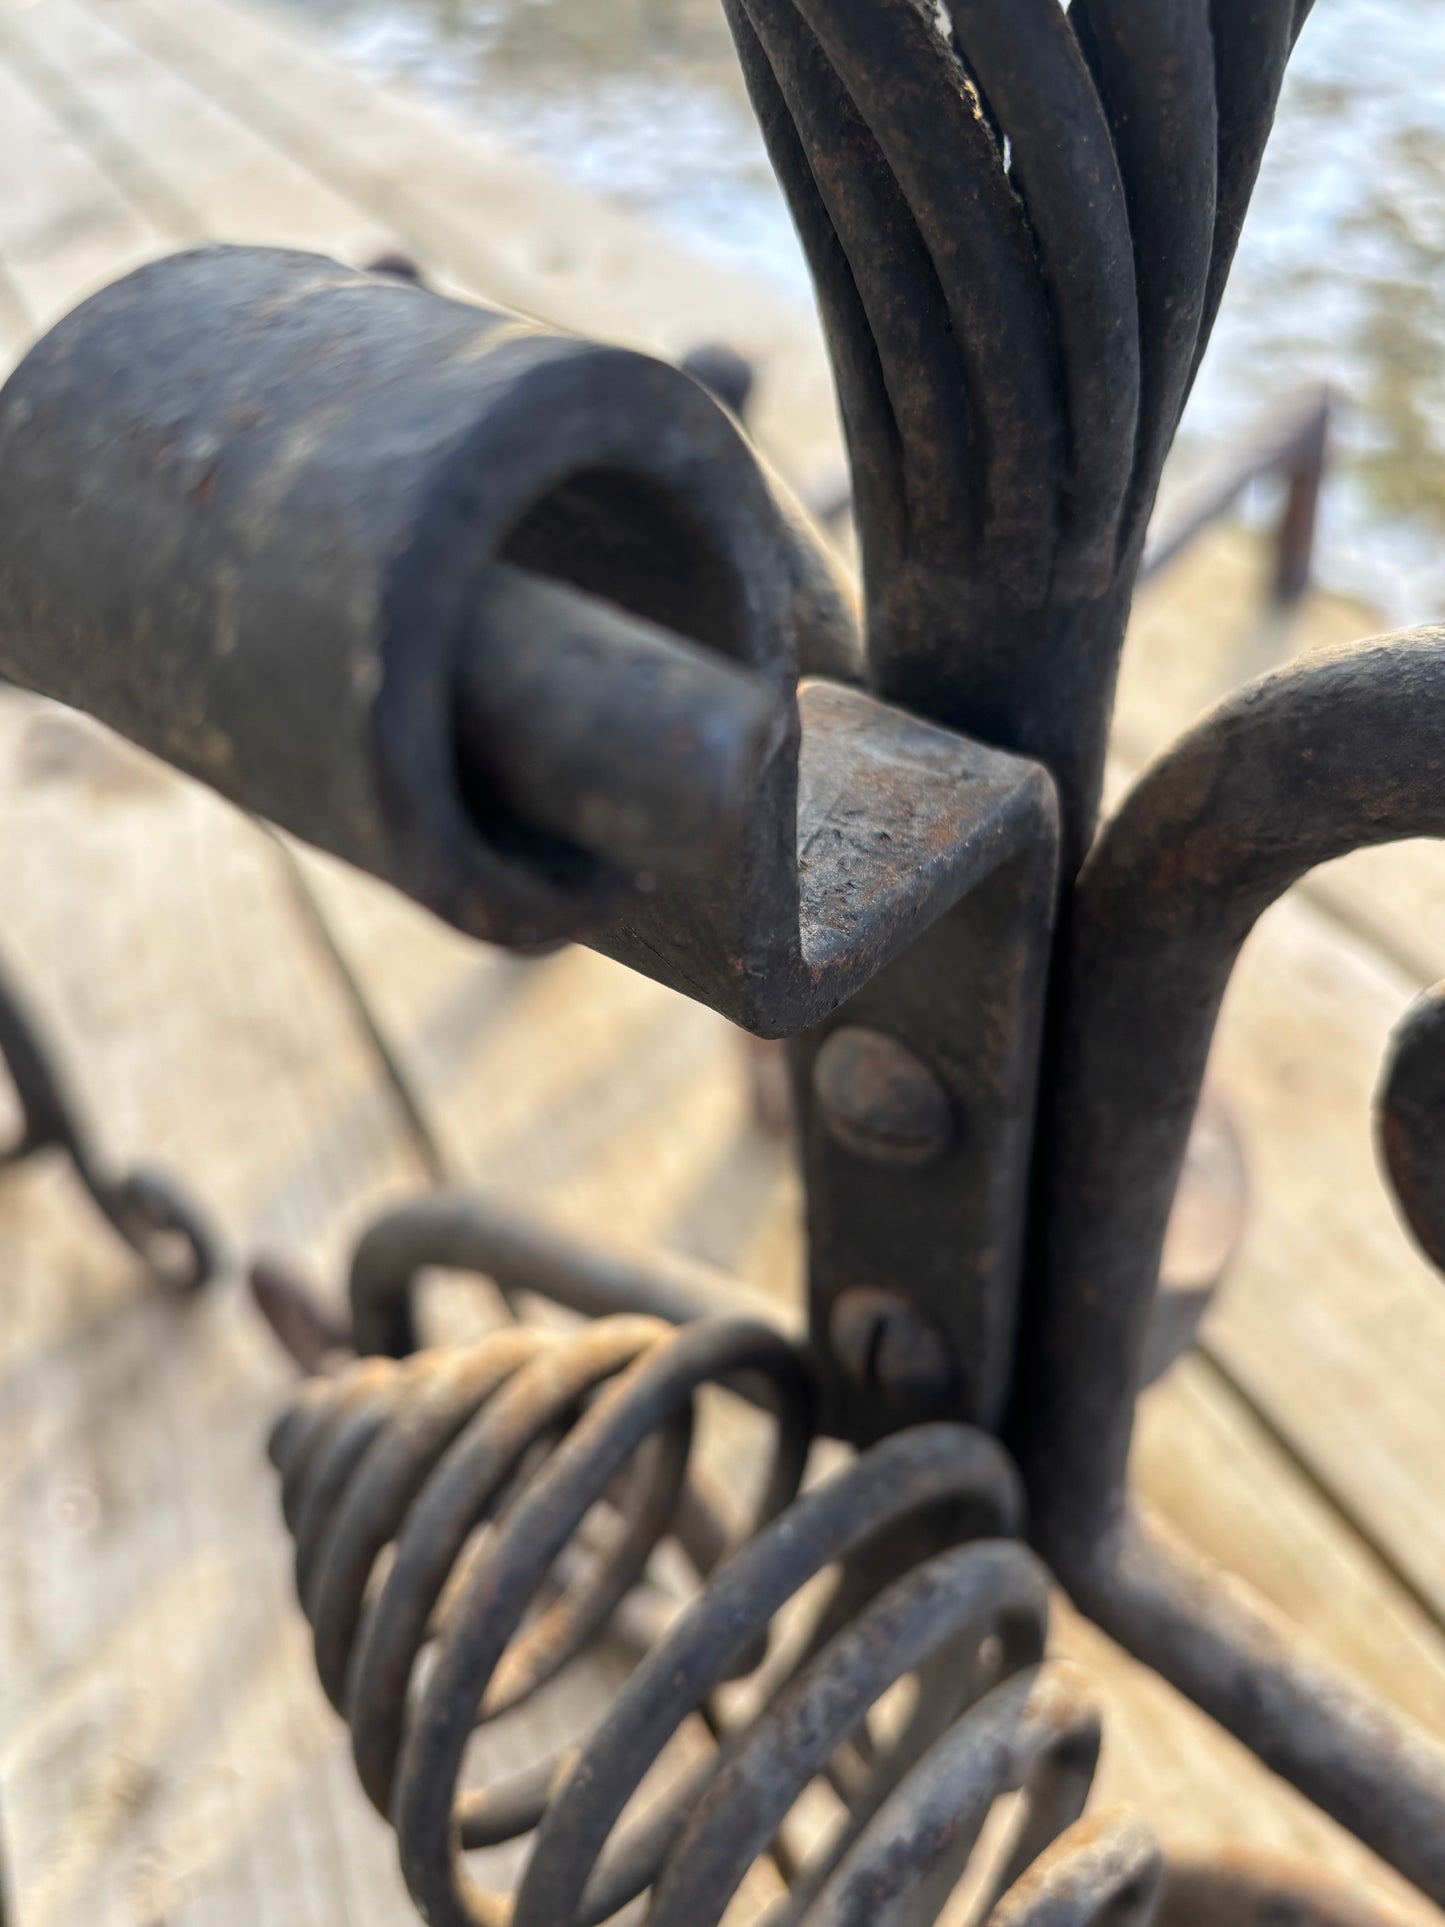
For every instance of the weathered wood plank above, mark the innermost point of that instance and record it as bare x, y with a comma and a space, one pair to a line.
65, 228
489, 220
163, 1753
1332, 1320
1203, 1462
569, 1081
225, 1793
16, 327
200, 174
1203, 1458
157, 924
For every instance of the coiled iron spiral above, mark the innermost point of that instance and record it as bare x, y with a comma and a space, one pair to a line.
425, 1631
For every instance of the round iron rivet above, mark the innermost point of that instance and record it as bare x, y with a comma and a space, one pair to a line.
888, 1347
880, 1101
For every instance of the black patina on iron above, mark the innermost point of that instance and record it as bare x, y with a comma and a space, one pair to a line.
523, 625
148, 1210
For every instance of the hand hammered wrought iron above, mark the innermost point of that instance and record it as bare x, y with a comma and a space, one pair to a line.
145, 1208
518, 622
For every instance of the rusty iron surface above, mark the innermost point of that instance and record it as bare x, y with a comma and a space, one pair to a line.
964, 999
470, 1522
417, 1455
320, 468
520, 1253
522, 624
1013, 345
147, 1209
1279, 778
1410, 1121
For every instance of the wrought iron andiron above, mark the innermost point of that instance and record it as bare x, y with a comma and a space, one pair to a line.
521, 624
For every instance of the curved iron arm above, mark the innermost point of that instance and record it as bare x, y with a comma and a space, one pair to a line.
1270, 785
1410, 1121
468, 1231
145, 1208
1360, 1760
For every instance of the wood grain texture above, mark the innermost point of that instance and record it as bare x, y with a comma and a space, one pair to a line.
199, 173
488, 221
165, 1754
65, 227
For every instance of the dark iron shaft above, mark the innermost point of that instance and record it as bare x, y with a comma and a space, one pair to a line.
592, 725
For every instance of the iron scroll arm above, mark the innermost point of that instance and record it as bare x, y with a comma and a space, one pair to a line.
296, 496
145, 1207
1410, 1121
1337, 753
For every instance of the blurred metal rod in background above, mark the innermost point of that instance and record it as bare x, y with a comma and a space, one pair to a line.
1291, 442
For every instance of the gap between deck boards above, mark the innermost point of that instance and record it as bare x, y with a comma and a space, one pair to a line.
167, 120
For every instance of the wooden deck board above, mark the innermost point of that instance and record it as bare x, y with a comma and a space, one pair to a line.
1333, 1321
164, 1750
489, 221
65, 227
15, 327
200, 173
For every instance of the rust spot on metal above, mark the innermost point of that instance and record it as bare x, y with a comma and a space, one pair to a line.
518, 623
